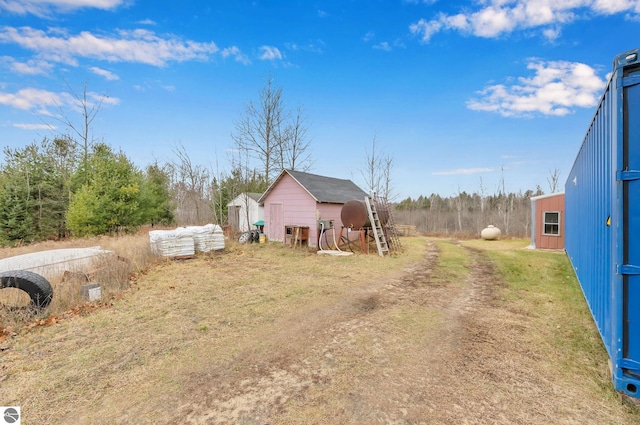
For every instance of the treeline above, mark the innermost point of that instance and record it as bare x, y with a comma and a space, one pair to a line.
56, 188
52, 189
467, 213
73, 186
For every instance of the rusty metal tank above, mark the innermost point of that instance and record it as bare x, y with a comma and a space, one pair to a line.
355, 215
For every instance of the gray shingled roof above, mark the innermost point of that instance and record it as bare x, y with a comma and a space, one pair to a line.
323, 189
254, 195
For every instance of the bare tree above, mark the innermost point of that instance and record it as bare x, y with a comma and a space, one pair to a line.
459, 204
191, 184
219, 200
459, 213
295, 147
480, 223
370, 174
386, 188
260, 130
272, 135
88, 105
505, 202
554, 180
377, 172
241, 181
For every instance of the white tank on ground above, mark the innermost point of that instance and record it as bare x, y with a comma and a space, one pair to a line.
490, 233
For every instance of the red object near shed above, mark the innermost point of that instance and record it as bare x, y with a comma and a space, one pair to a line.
296, 202
547, 217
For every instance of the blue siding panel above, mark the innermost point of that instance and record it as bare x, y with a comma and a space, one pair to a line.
631, 238
602, 196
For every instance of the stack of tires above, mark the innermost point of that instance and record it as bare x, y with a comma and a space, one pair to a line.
249, 237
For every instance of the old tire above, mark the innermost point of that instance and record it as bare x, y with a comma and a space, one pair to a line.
245, 237
37, 287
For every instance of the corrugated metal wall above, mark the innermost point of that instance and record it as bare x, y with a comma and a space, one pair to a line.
629, 177
602, 215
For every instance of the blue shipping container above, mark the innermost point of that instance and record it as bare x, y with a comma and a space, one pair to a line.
602, 201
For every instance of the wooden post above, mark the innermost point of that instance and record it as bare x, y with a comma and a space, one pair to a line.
363, 241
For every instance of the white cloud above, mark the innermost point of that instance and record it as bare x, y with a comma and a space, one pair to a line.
312, 46
41, 101
270, 53
26, 126
46, 7
152, 85
383, 46
463, 171
555, 89
31, 99
135, 46
108, 100
108, 75
610, 7
236, 53
31, 67
551, 34
426, 29
497, 17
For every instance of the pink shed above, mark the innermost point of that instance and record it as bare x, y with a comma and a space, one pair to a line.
301, 199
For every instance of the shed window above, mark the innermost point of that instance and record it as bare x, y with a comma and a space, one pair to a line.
551, 223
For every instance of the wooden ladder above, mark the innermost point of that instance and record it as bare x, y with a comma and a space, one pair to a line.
378, 232
393, 240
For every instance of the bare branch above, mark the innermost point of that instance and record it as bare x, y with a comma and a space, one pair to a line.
554, 180
295, 143
88, 110
377, 173
259, 131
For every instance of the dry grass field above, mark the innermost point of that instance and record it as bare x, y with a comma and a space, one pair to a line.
450, 332
113, 272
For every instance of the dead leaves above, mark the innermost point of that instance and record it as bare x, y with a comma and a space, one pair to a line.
6, 333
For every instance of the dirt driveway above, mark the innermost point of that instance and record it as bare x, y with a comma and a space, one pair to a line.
354, 363
412, 347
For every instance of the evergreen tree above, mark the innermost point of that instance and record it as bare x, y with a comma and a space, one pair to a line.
16, 224
35, 191
155, 196
110, 200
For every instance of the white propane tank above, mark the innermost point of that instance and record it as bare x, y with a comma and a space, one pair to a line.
490, 233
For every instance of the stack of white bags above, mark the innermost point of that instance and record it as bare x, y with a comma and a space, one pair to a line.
185, 241
207, 238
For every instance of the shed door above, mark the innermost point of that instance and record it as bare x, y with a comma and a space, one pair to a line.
631, 217
234, 217
276, 228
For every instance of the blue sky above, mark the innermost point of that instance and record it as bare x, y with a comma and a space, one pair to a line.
458, 92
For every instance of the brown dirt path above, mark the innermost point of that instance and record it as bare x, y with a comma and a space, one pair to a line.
403, 352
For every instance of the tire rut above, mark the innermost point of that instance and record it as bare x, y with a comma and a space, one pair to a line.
319, 343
